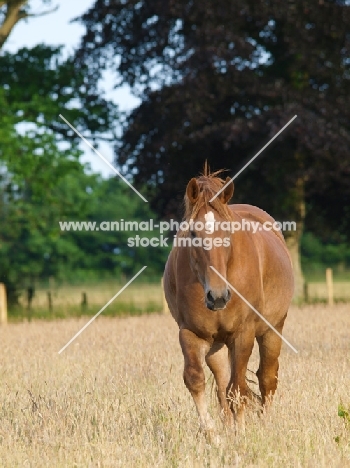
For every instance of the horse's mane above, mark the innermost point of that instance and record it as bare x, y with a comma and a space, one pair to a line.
209, 184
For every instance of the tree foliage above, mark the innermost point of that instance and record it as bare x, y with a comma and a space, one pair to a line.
43, 182
38, 85
217, 80
106, 252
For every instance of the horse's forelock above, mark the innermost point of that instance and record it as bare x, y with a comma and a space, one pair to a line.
209, 185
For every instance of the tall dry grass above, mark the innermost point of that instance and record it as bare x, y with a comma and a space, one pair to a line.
115, 397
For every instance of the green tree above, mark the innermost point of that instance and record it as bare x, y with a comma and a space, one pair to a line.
42, 181
32, 202
38, 84
107, 251
39, 191
217, 80
39, 158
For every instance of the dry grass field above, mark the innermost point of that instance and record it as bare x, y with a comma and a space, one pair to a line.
115, 397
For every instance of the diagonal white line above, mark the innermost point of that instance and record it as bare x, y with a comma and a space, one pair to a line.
254, 309
102, 157
100, 311
257, 154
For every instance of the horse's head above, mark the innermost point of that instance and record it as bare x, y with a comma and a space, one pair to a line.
209, 235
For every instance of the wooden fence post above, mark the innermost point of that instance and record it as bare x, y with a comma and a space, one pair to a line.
329, 281
306, 292
84, 301
49, 300
3, 304
165, 304
30, 296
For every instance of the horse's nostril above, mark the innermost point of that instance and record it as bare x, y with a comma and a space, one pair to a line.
228, 295
210, 297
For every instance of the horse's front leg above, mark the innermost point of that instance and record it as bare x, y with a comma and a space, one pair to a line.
194, 350
269, 347
240, 351
219, 363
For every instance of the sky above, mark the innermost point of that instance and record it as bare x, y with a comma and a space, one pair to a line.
56, 29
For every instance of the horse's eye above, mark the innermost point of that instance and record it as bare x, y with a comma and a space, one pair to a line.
193, 234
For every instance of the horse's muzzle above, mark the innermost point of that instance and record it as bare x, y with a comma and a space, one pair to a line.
217, 302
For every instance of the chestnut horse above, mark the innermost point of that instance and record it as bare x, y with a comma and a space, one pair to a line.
216, 324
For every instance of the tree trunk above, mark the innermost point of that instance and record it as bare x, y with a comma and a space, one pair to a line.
293, 244
293, 238
13, 12
12, 16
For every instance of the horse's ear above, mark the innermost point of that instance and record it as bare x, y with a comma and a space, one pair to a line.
226, 194
192, 191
